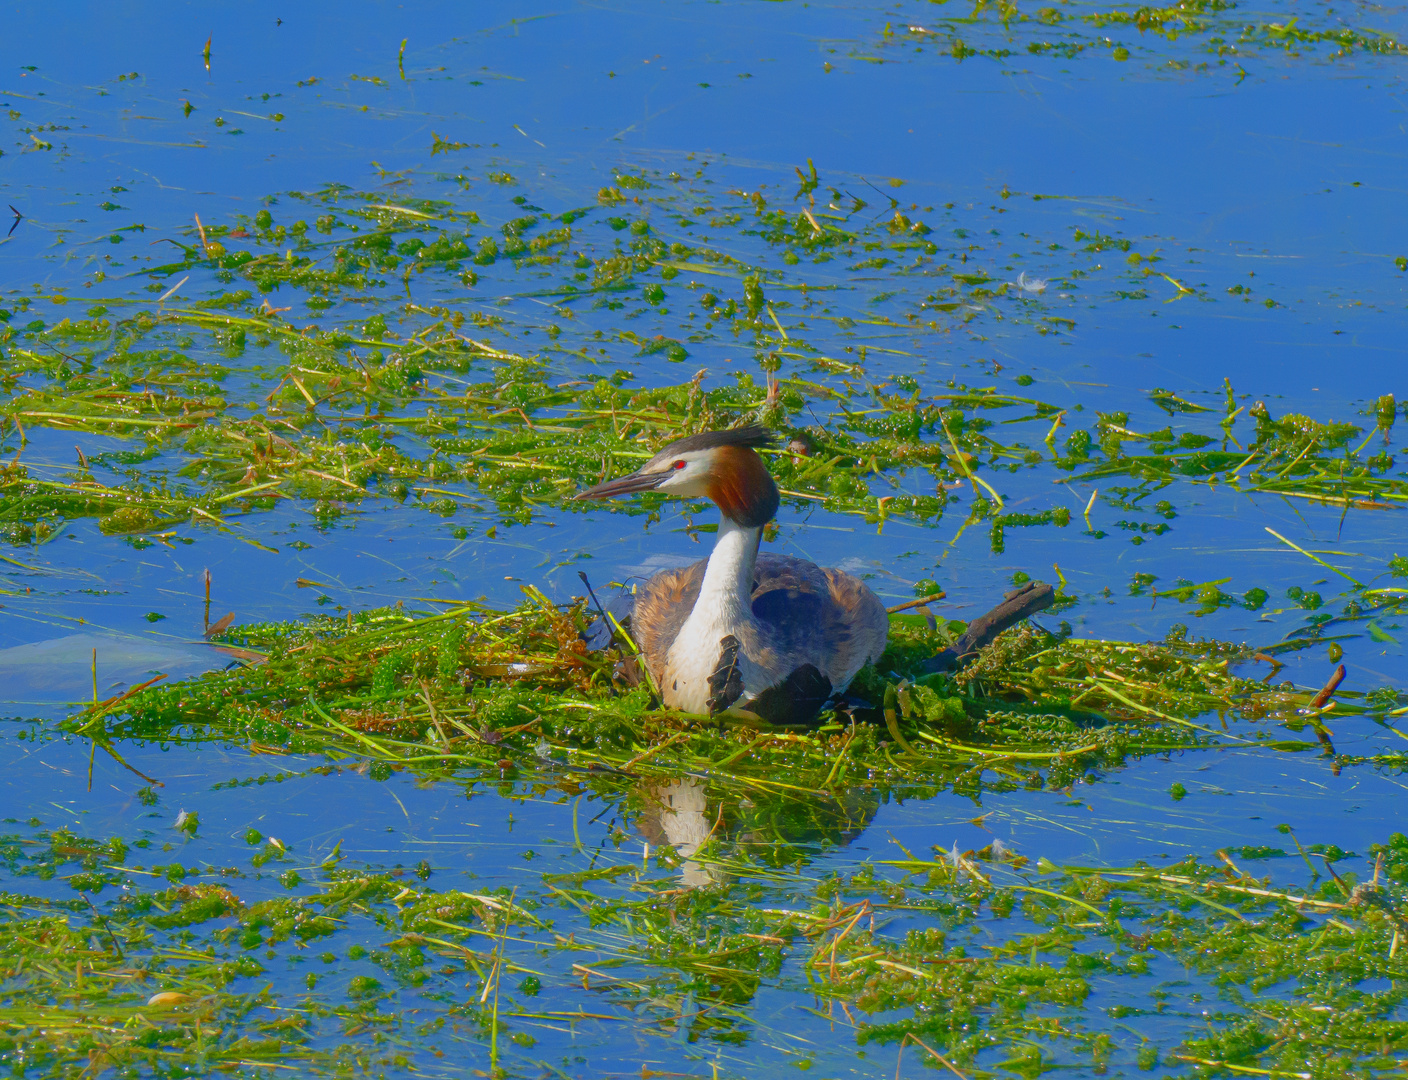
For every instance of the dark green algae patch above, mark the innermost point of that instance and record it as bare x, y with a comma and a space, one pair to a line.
1191, 35
525, 443
167, 980
227, 407
407, 687
981, 959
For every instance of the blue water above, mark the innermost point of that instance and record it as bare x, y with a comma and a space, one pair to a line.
1278, 173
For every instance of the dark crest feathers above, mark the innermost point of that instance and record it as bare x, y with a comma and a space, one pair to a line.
753, 436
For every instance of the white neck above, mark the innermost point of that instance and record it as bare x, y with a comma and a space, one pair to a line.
726, 594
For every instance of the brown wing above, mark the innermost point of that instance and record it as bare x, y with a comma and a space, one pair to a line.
662, 605
867, 621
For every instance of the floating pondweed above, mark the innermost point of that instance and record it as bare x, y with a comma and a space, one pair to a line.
434, 832
411, 688
1208, 34
981, 956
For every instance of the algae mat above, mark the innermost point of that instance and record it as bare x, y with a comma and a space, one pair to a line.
313, 321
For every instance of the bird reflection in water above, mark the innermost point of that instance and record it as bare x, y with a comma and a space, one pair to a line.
677, 814
680, 813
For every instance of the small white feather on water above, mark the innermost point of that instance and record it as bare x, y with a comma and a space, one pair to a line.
1033, 285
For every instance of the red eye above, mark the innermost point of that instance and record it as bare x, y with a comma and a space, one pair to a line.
678, 465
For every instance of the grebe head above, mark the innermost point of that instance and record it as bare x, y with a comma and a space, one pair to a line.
718, 465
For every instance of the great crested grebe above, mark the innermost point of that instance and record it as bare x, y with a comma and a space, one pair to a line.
771, 634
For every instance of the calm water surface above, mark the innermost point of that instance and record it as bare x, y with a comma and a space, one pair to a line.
1278, 173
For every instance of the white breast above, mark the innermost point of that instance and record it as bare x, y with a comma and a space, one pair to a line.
688, 666
723, 608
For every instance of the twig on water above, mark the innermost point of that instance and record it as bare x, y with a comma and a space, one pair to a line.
610, 623
99, 916
915, 603
1315, 558
1318, 702
167, 294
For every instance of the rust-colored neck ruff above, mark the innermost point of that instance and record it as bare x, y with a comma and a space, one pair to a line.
742, 486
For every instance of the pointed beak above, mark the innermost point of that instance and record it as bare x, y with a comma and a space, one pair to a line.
624, 485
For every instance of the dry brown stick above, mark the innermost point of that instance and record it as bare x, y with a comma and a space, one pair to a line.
128, 765
435, 720
1173, 879
1318, 702
909, 1036
1276, 665
915, 603
102, 705
655, 749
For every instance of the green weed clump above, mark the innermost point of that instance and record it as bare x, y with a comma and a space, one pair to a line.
234, 404
471, 687
1214, 33
981, 959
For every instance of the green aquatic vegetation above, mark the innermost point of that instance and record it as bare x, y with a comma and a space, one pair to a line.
340, 351
471, 687
1114, 925
1221, 30
133, 991
229, 408
1294, 456
983, 959
563, 436
224, 407
524, 442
